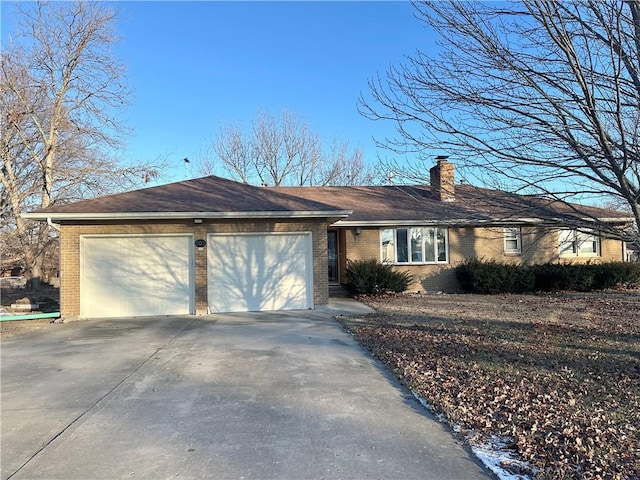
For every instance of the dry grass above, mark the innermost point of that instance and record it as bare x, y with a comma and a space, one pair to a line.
19, 327
559, 375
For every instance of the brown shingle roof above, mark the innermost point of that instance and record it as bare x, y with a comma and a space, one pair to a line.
370, 204
207, 195
384, 203
471, 205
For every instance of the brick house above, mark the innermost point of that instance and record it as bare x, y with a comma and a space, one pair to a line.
214, 245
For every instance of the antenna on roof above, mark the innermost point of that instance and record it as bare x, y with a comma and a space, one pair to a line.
390, 176
186, 167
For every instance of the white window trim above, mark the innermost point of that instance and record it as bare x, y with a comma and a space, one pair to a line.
575, 250
409, 227
510, 234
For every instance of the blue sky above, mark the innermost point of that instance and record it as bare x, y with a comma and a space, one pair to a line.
195, 65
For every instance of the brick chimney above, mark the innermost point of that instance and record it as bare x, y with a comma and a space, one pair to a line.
442, 178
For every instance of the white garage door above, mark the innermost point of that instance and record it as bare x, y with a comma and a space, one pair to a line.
254, 272
143, 275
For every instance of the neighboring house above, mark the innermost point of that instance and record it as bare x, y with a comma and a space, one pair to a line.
633, 252
214, 245
11, 270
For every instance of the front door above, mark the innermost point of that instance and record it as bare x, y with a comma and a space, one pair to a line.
332, 251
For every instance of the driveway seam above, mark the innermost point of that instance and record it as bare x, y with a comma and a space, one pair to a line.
95, 404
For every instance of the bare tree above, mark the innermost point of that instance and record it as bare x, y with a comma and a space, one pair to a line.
540, 96
60, 89
279, 151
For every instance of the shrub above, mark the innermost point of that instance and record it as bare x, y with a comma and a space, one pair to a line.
492, 277
480, 277
555, 276
523, 280
612, 274
585, 277
371, 277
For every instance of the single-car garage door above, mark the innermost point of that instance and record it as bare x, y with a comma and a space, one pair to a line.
262, 271
136, 275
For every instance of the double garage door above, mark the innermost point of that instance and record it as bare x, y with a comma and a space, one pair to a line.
149, 275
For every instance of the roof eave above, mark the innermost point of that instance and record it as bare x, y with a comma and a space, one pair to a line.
426, 222
61, 216
616, 220
469, 222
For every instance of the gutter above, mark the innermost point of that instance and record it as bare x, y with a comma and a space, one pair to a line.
467, 222
186, 215
341, 215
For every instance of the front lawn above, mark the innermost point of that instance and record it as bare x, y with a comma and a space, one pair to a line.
558, 376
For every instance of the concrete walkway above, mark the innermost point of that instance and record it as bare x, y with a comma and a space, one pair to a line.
285, 395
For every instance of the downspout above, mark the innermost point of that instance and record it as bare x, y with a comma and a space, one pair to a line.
55, 226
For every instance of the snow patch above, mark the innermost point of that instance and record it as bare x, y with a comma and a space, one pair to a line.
495, 454
501, 460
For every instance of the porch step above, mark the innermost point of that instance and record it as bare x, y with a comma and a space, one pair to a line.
338, 291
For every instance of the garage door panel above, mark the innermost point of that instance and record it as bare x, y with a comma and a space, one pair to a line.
259, 272
136, 276
276, 245
101, 302
289, 297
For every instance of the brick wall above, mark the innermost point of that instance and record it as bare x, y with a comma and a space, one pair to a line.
539, 245
70, 251
442, 180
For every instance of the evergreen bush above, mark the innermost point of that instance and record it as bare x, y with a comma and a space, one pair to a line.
612, 274
491, 277
370, 277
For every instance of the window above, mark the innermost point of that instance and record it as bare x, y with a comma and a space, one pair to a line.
512, 240
388, 246
573, 243
417, 245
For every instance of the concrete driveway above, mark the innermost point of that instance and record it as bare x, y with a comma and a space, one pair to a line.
282, 396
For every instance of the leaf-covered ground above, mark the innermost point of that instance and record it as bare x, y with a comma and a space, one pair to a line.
558, 375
